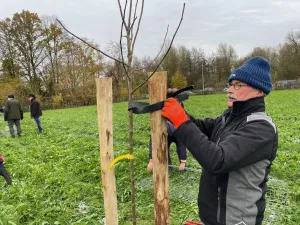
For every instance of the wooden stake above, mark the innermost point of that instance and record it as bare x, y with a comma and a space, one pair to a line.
104, 108
157, 85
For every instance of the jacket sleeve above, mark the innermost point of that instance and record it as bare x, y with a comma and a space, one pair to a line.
250, 143
206, 125
6, 109
181, 149
34, 108
150, 148
21, 111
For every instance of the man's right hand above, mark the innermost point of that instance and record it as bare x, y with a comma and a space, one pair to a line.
181, 166
174, 112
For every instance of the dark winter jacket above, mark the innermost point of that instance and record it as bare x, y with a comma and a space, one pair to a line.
13, 110
180, 148
236, 151
35, 108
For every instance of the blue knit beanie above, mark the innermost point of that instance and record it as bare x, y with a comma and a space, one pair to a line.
256, 73
11, 96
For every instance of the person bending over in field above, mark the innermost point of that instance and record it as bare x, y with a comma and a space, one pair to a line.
180, 148
3, 171
235, 150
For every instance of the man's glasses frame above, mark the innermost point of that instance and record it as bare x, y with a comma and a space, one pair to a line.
237, 86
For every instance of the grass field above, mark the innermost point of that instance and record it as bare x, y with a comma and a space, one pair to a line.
56, 175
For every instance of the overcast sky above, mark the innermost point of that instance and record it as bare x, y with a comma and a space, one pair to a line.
242, 23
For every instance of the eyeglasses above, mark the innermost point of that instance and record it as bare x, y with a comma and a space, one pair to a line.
237, 86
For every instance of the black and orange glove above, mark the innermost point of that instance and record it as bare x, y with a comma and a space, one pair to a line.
174, 112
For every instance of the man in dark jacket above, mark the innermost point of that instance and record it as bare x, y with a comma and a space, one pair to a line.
3, 171
13, 113
35, 111
236, 150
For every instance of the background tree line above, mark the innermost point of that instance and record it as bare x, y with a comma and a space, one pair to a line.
37, 56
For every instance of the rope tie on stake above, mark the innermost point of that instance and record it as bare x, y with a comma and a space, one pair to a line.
126, 156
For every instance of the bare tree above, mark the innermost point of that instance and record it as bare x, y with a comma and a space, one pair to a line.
131, 17
131, 36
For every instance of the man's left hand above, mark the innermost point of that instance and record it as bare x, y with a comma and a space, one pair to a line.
174, 112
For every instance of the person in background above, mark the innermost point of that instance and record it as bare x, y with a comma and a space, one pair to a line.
180, 148
13, 113
3, 171
35, 111
235, 150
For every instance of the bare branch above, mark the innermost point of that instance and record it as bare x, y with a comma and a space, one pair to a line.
89, 44
162, 47
123, 14
129, 16
138, 26
166, 52
134, 18
121, 46
135, 9
131, 27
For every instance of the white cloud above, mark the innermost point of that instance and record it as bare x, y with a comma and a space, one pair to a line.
294, 4
278, 3
249, 11
267, 21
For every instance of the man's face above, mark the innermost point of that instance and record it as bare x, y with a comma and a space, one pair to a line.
240, 91
29, 98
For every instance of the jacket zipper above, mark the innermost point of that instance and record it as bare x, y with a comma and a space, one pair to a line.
222, 128
219, 205
219, 188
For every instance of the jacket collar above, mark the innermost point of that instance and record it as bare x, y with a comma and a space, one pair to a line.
249, 106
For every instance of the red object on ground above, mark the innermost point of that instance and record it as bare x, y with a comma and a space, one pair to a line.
189, 222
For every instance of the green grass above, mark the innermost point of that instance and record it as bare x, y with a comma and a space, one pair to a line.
56, 175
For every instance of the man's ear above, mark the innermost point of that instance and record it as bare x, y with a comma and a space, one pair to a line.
260, 93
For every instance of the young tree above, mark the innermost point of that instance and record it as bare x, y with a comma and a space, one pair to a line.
131, 18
